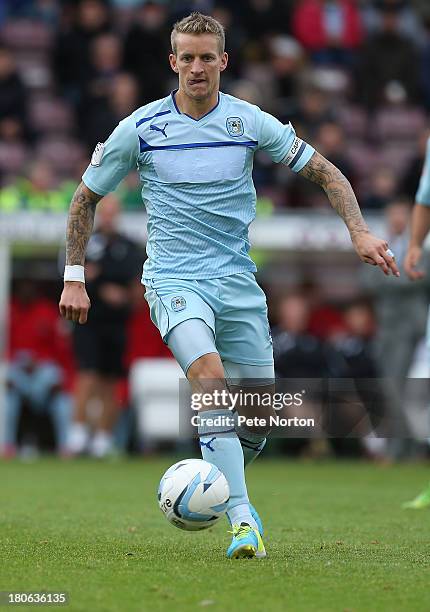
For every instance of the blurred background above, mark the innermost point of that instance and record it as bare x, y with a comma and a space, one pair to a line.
354, 79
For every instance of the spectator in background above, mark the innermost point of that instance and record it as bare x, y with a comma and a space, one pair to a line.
112, 270
237, 39
297, 353
330, 139
300, 355
356, 345
401, 315
330, 30
314, 108
13, 99
413, 171
409, 12
38, 362
71, 53
101, 119
287, 61
147, 44
356, 341
264, 17
326, 320
394, 302
389, 64
382, 188
104, 66
39, 189
12, 130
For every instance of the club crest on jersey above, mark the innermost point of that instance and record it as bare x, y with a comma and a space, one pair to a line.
178, 303
234, 126
96, 158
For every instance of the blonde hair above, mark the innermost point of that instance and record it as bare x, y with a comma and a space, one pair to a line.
196, 24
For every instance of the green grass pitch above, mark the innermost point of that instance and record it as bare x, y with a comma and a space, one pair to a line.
336, 535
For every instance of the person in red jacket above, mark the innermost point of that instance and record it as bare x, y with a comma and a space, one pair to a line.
39, 365
330, 30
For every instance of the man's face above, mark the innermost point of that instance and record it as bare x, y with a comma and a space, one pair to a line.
198, 62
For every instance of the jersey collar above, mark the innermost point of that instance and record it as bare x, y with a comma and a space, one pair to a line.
212, 110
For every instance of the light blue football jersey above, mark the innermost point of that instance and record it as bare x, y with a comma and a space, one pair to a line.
197, 181
423, 193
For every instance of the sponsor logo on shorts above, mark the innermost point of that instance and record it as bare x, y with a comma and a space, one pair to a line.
178, 303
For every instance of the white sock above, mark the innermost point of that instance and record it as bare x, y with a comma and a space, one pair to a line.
241, 514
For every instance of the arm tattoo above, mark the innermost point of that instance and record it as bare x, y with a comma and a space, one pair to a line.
80, 224
338, 190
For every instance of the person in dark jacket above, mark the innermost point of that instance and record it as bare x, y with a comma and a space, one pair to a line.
112, 271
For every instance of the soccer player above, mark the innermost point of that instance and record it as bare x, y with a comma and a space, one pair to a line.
194, 151
420, 227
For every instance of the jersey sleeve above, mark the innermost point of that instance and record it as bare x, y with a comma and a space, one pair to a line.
113, 160
423, 193
281, 142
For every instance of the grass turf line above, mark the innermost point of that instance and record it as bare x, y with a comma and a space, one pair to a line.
336, 536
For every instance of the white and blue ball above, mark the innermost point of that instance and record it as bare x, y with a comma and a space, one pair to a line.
193, 494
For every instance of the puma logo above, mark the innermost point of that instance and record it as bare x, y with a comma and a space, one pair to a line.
158, 129
208, 444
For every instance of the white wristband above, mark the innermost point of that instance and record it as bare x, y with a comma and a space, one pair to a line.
74, 273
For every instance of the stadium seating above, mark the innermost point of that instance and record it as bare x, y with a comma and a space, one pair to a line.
386, 134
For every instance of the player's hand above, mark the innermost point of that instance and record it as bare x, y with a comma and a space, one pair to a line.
412, 259
375, 251
74, 302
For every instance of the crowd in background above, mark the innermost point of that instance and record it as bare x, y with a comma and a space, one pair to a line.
352, 76
78, 377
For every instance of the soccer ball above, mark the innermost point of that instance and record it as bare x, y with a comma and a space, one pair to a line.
193, 494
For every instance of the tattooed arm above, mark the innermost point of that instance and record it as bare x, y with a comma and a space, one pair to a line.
338, 190
80, 224
74, 302
370, 249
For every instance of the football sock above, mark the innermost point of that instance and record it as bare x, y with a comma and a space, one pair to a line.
220, 445
237, 514
252, 443
250, 449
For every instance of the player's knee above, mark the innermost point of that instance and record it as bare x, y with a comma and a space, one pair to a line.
206, 375
206, 367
